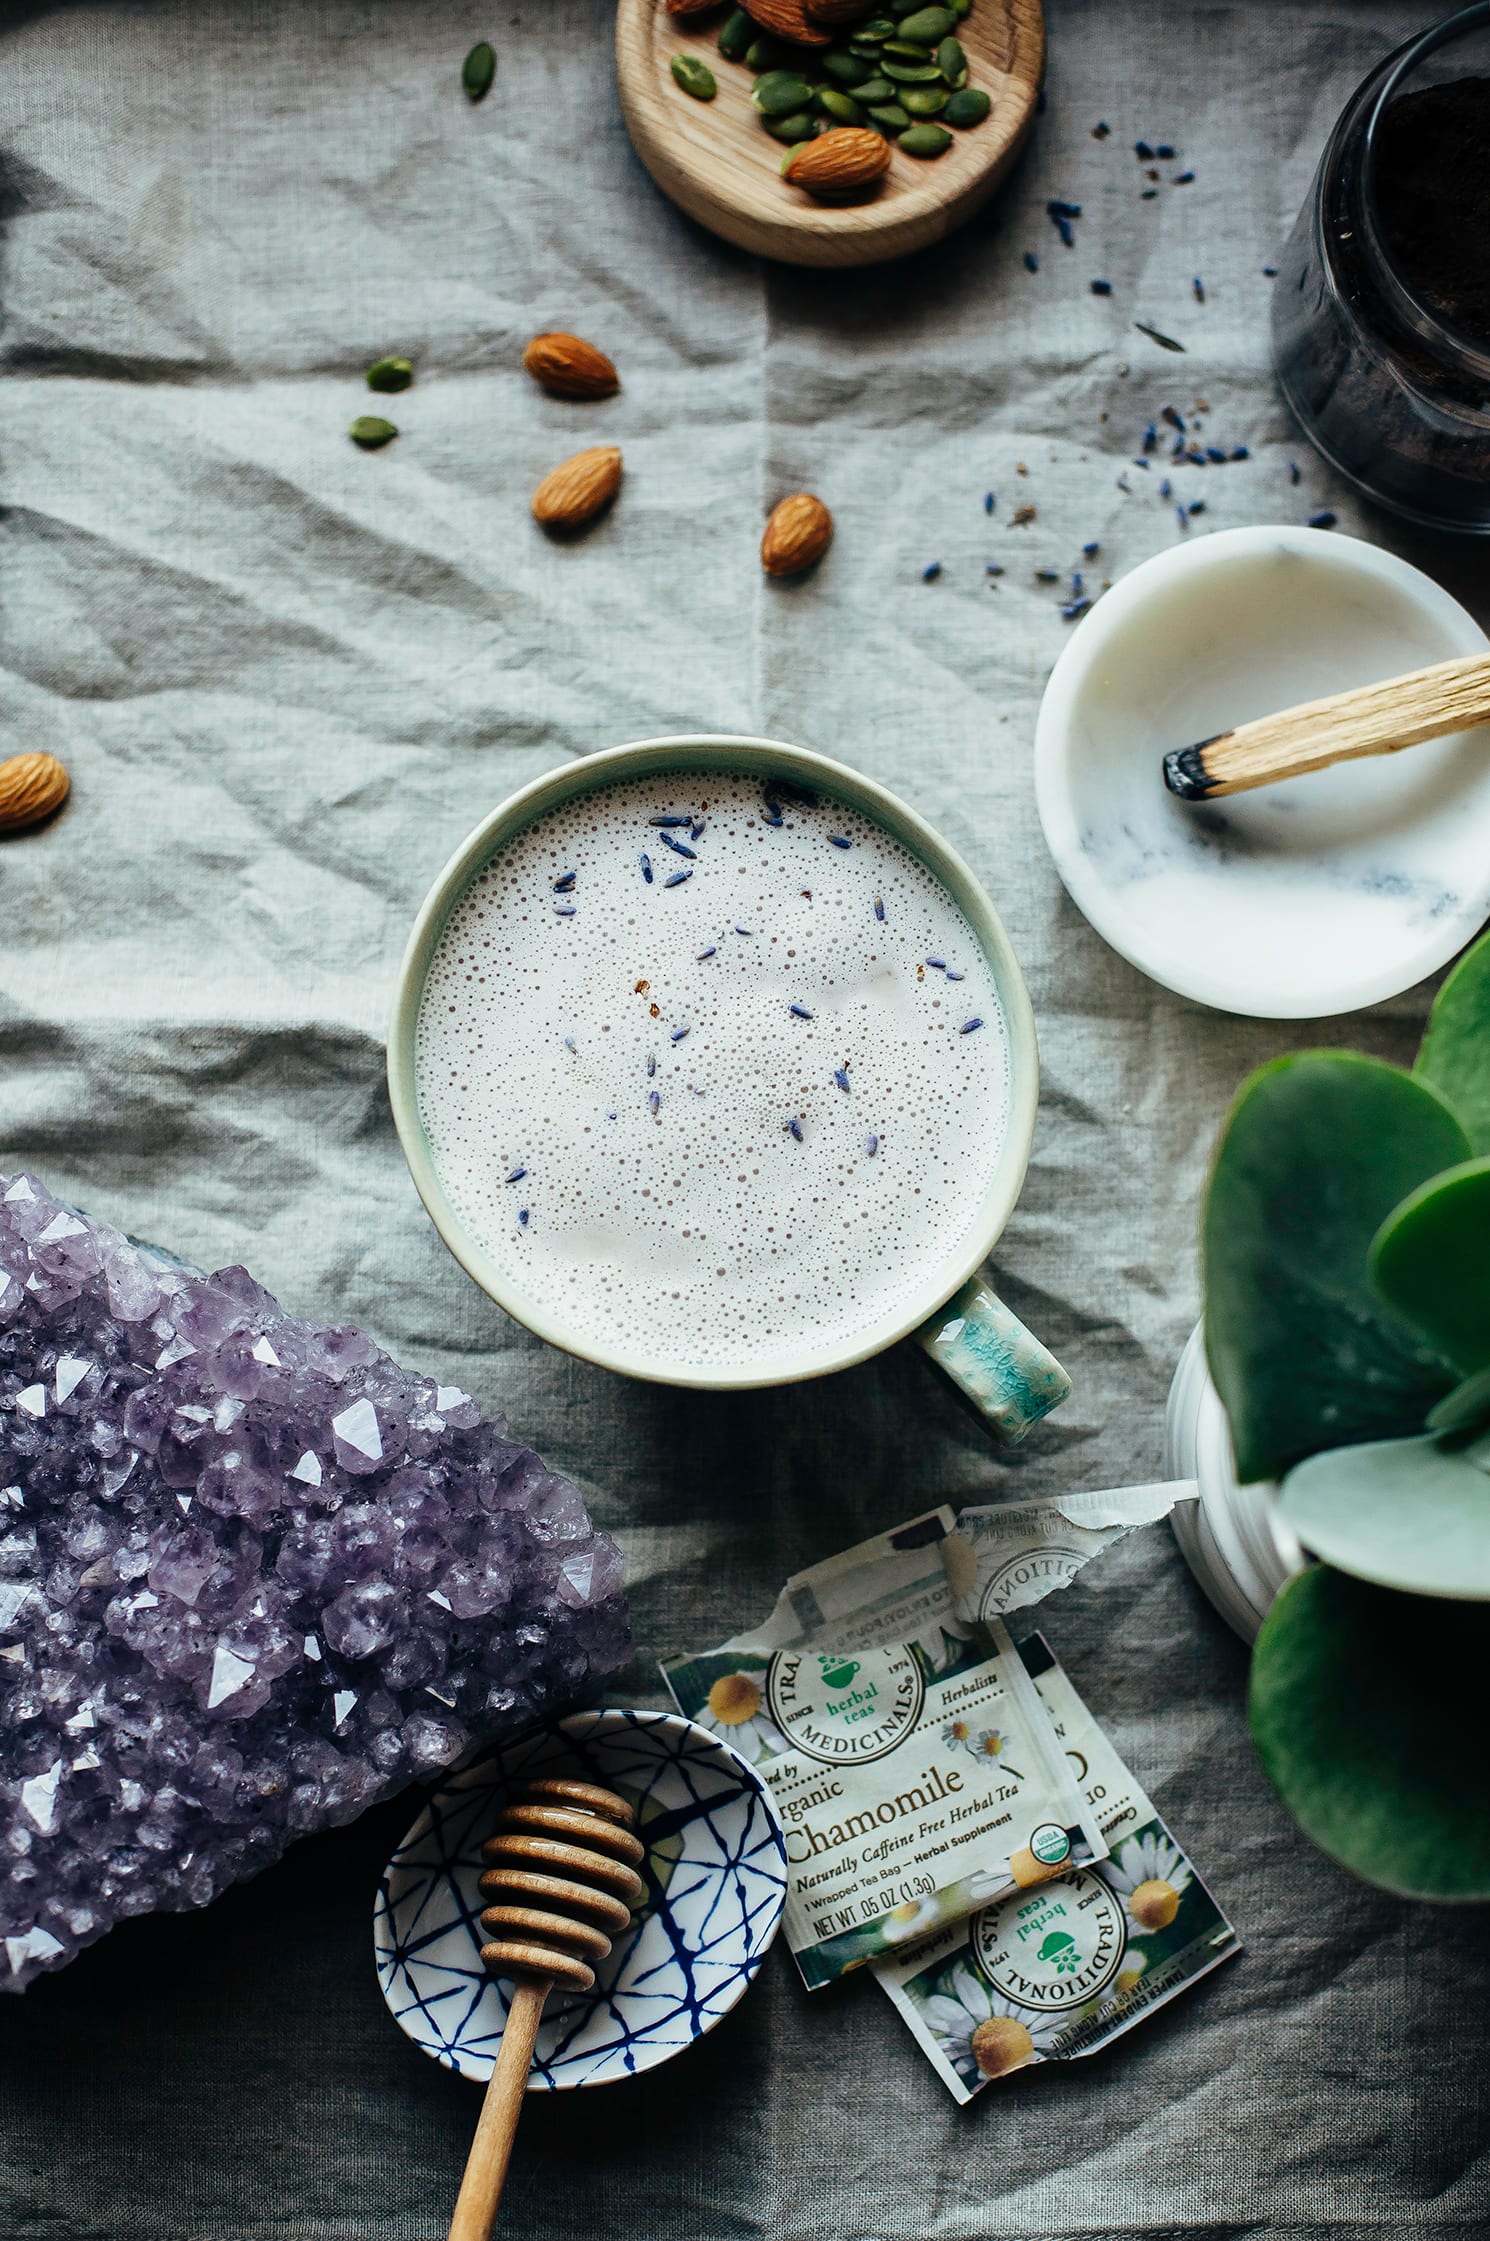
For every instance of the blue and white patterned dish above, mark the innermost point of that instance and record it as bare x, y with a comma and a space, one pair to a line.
716, 1876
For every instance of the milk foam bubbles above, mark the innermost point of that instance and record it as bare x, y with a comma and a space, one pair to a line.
746, 1103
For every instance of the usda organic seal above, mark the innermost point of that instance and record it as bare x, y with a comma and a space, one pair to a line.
845, 1709
1054, 1948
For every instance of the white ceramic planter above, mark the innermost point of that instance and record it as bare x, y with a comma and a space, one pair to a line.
1231, 1538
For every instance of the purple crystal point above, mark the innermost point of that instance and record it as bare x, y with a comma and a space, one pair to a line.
253, 1577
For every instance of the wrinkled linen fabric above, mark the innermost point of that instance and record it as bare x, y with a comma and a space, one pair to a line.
288, 678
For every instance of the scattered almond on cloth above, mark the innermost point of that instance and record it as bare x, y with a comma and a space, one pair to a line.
572, 494
31, 787
797, 535
567, 366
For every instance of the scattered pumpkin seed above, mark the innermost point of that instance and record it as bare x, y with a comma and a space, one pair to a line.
476, 75
925, 140
781, 93
843, 69
764, 53
890, 116
925, 101
838, 105
928, 26
389, 375
912, 73
904, 49
952, 63
736, 36
802, 126
969, 107
370, 433
878, 27
694, 77
873, 90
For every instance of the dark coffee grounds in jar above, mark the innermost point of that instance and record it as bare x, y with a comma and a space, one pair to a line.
1432, 179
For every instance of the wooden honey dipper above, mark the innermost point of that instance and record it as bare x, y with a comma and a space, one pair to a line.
563, 1864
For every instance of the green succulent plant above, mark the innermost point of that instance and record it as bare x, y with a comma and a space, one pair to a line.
1346, 1245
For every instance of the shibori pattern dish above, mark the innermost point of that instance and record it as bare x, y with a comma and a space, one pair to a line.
716, 1881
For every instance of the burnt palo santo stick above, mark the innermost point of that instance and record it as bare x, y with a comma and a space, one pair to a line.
1369, 720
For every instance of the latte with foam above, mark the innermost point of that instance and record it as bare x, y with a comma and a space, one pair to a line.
711, 1069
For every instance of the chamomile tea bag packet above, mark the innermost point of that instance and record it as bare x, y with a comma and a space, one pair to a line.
1007, 1555
1056, 1972
911, 1756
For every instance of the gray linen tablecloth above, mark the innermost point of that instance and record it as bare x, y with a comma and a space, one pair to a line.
288, 677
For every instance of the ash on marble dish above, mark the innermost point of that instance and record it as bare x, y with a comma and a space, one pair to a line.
1065, 1969
253, 1578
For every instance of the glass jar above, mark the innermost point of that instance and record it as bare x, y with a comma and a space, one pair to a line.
1383, 383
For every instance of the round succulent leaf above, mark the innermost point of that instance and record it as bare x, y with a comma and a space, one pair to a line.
1410, 1514
1366, 1709
1430, 1261
1455, 1053
1305, 1353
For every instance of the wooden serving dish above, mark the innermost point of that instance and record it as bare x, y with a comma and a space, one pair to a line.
716, 160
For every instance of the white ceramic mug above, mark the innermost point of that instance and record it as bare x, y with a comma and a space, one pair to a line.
964, 1327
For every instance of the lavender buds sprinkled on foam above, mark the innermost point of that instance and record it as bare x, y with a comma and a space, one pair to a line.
564, 883
516, 1176
522, 1217
654, 1099
678, 847
663, 822
840, 1075
871, 1146
799, 1011
678, 1034
676, 879
840, 840
794, 1128
646, 867
712, 951
970, 1027
879, 907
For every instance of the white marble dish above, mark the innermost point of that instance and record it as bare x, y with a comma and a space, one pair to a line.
1300, 900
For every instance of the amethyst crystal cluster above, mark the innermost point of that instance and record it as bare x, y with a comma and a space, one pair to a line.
253, 1577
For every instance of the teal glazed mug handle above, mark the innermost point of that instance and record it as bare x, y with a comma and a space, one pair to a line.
999, 1366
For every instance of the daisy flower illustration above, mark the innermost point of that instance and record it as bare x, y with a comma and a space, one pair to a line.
958, 1735
917, 1918
982, 2034
1149, 1875
1135, 1961
735, 1710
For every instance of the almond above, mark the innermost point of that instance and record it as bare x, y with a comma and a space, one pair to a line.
691, 7
798, 533
789, 20
838, 11
568, 367
842, 162
31, 787
580, 488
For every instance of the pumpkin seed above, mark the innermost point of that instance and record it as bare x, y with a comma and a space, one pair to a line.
873, 90
867, 50
928, 25
694, 77
969, 107
736, 36
371, 433
925, 101
912, 73
878, 27
843, 69
389, 375
952, 62
904, 50
476, 75
890, 116
764, 53
925, 141
792, 129
835, 103
781, 93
